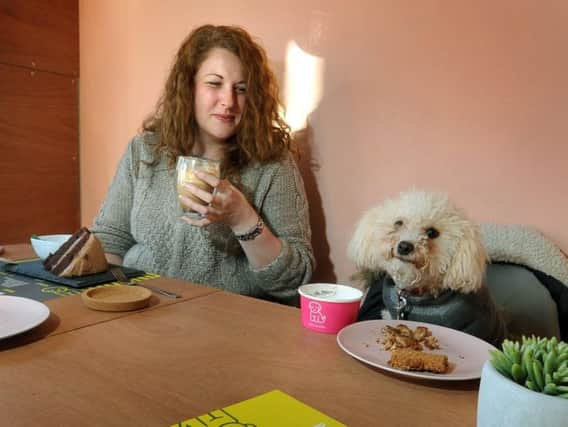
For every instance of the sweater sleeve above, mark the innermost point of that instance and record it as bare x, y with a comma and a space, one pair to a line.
284, 208
112, 225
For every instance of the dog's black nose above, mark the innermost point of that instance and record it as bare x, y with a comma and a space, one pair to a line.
404, 248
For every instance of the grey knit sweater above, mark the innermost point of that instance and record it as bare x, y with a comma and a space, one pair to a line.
140, 221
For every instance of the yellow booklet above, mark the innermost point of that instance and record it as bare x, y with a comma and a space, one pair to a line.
272, 409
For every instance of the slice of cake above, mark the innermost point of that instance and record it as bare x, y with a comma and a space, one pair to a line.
82, 254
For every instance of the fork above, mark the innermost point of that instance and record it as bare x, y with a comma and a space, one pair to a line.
122, 279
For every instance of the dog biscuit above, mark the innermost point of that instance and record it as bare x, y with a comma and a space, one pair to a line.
412, 360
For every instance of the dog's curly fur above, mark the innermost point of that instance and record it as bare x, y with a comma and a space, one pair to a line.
422, 240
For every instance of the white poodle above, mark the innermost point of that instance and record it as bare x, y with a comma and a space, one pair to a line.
422, 259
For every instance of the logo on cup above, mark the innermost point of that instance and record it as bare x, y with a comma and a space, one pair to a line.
316, 316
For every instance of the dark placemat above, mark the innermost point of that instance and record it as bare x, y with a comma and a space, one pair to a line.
35, 269
37, 289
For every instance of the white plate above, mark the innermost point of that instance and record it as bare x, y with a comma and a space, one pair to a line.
466, 353
19, 315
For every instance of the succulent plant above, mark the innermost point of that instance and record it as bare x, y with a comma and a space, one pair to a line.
540, 364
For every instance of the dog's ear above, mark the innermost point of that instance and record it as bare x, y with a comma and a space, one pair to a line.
362, 248
364, 278
466, 272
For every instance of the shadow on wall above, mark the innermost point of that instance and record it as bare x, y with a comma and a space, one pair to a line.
324, 271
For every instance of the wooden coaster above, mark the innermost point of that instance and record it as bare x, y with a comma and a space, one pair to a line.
116, 298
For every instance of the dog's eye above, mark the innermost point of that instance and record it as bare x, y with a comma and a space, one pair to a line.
398, 223
432, 233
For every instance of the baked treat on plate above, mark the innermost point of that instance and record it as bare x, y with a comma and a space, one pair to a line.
413, 360
80, 255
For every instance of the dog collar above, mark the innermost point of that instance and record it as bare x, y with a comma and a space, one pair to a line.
417, 292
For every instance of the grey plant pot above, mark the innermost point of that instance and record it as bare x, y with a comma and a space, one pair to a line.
502, 403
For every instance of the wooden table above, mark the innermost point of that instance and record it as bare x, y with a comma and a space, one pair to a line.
69, 313
175, 361
20, 251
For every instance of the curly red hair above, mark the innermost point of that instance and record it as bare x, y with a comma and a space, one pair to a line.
263, 135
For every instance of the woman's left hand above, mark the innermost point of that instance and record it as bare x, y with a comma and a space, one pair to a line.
226, 204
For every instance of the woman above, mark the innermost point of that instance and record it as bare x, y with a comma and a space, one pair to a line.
253, 235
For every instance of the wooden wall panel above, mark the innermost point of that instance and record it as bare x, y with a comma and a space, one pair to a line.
39, 165
40, 34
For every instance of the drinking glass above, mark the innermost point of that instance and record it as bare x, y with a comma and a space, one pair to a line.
186, 167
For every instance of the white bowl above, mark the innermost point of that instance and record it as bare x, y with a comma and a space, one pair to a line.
48, 244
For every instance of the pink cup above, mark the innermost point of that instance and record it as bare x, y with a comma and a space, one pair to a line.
327, 307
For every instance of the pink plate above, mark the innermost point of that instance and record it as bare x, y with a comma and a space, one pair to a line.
466, 353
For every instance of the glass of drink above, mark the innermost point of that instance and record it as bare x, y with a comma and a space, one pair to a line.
186, 166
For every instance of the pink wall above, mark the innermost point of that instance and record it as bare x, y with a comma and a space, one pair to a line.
466, 97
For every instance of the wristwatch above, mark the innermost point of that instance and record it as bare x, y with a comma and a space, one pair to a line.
253, 233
